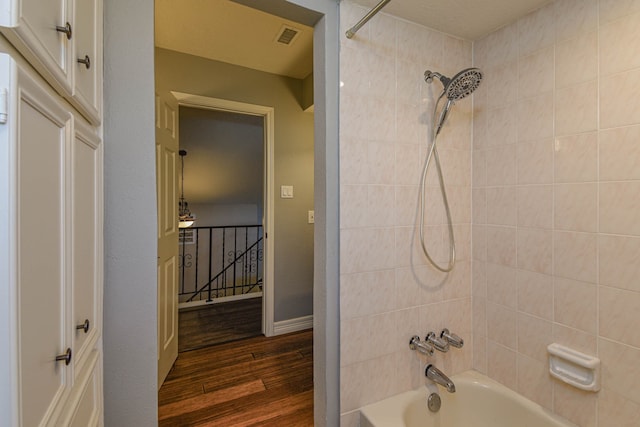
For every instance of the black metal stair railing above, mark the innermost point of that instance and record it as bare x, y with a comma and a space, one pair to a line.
220, 261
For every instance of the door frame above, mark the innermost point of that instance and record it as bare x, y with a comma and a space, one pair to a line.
267, 113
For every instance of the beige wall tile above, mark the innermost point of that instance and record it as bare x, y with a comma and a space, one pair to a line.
535, 294
536, 30
480, 353
575, 207
575, 17
576, 158
502, 84
364, 294
620, 368
618, 311
501, 166
502, 126
535, 73
619, 207
573, 338
575, 255
615, 410
535, 118
577, 60
575, 405
501, 285
501, 245
575, 304
534, 381
576, 108
620, 154
502, 365
501, 325
534, 249
479, 279
535, 206
535, 162
498, 47
621, 45
619, 261
534, 335
501, 205
614, 9
620, 99
479, 316
479, 242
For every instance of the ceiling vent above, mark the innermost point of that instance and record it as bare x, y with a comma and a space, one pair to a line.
287, 35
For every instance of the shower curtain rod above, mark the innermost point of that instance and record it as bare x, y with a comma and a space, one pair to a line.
353, 30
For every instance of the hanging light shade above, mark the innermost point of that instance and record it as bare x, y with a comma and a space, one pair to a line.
185, 216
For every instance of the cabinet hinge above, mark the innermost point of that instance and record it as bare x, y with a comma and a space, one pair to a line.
3, 106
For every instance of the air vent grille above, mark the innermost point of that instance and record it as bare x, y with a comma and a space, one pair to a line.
287, 35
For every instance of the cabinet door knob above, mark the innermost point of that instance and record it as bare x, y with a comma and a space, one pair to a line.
84, 326
66, 29
66, 357
86, 61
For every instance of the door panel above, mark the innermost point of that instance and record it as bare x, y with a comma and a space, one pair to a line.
167, 187
86, 187
42, 306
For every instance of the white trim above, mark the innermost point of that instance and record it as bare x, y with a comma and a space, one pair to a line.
230, 298
293, 325
197, 101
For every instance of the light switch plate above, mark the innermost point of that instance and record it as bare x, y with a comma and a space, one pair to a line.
312, 217
286, 191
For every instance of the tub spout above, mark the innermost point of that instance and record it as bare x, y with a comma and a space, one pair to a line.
436, 375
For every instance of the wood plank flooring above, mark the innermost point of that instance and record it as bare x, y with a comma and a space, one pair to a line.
218, 323
253, 382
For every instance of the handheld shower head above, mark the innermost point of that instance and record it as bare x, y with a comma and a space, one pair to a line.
459, 86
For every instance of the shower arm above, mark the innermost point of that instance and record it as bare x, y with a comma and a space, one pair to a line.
353, 30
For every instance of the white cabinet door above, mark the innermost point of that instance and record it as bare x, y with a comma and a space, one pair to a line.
87, 90
86, 217
62, 39
43, 136
33, 27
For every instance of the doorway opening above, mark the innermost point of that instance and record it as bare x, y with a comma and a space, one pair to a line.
224, 259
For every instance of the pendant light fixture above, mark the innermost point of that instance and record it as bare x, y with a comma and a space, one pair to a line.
184, 214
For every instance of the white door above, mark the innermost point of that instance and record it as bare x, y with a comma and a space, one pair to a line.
167, 189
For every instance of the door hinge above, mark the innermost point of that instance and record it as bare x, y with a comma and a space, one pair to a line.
3, 106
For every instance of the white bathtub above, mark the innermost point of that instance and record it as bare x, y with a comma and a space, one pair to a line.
477, 402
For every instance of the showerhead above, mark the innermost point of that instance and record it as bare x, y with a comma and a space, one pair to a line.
460, 86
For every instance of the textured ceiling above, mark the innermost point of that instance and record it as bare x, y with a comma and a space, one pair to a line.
468, 19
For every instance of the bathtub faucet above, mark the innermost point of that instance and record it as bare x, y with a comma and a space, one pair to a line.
436, 375
422, 346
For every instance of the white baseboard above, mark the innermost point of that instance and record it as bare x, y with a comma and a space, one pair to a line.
293, 325
219, 300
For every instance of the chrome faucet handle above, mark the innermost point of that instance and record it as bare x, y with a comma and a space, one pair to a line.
440, 344
451, 338
422, 346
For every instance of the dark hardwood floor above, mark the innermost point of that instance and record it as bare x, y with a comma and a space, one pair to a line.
253, 382
219, 323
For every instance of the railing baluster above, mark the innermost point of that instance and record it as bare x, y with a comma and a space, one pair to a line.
182, 231
235, 253
224, 278
210, 272
197, 231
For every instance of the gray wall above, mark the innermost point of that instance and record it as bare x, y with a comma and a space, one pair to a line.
293, 153
130, 287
